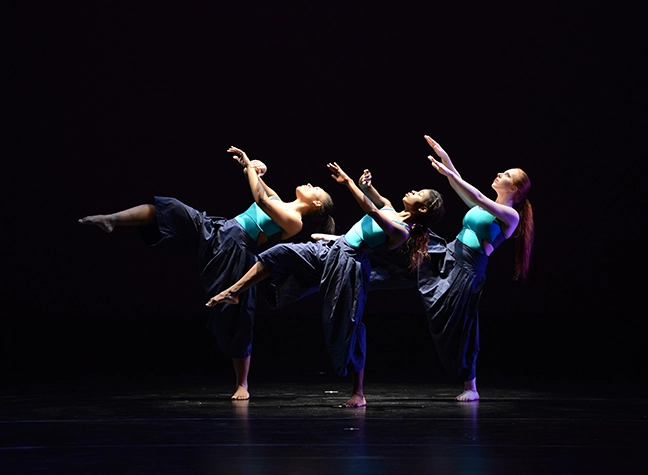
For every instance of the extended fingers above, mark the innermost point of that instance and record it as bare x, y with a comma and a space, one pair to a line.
433, 161
433, 144
430, 141
241, 154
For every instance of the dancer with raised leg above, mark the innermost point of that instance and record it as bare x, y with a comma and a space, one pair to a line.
227, 248
451, 279
338, 266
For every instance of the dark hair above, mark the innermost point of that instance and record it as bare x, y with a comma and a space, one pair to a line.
321, 219
417, 244
524, 233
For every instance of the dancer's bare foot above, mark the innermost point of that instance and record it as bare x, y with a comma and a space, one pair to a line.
241, 394
468, 395
356, 400
226, 296
105, 222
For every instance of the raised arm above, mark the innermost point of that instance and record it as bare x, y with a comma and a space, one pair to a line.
445, 159
506, 214
269, 191
240, 155
256, 187
396, 233
290, 223
368, 189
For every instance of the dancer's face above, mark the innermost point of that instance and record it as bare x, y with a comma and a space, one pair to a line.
310, 193
414, 199
505, 180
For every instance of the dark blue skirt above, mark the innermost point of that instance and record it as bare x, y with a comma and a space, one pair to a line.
224, 253
389, 271
341, 275
450, 284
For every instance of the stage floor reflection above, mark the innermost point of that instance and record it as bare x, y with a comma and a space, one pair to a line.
167, 427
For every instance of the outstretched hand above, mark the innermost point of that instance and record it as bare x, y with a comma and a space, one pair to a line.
364, 181
240, 156
337, 173
436, 147
439, 166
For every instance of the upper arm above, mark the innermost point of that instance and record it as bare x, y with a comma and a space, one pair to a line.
290, 223
507, 216
396, 233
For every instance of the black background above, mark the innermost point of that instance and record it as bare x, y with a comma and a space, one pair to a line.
109, 103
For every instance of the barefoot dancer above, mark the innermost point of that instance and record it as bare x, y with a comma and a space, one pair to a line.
226, 248
340, 268
451, 281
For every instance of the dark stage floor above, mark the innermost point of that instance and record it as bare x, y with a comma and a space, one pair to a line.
160, 427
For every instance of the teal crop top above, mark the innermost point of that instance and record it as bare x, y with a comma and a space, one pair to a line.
479, 226
255, 221
367, 230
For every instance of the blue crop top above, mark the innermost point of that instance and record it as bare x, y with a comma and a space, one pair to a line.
479, 226
255, 221
367, 230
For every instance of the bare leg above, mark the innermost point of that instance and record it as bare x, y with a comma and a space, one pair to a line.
256, 274
141, 215
470, 392
357, 398
241, 368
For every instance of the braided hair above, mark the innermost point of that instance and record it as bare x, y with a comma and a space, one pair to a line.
417, 244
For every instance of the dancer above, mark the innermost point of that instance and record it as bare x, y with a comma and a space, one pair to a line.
227, 248
451, 280
340, 268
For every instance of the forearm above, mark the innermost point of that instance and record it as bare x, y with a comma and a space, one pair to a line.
445, 159
374, 196
269, 191
256, 186
363, 200
464, 189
